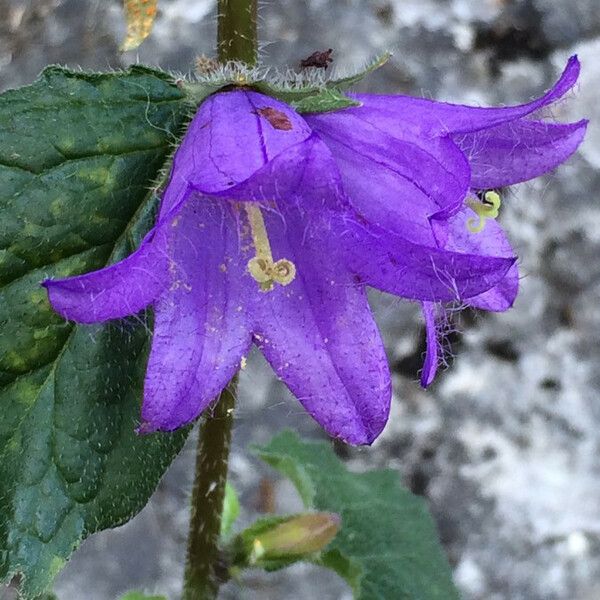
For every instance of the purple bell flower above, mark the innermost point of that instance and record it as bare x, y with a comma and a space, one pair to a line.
273, 224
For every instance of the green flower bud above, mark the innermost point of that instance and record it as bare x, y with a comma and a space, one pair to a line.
299, 536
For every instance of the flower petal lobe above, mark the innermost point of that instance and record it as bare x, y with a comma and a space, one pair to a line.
396, 113
518, 151
117, 291
201, 330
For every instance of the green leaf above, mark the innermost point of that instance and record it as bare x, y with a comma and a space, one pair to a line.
78, 154
231, 509
325, 101
387, 546
141, 596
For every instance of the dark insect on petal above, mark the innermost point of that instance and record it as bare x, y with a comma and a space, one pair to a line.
276, 118
318, 60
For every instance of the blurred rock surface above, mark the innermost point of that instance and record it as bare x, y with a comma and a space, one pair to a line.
505, 445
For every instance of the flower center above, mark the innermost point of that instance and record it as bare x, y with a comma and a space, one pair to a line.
486, 208
265, 271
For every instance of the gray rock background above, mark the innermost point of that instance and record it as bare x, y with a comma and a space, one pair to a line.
504, 447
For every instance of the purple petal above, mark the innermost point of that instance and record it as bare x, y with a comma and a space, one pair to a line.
127, 287
502, 296
176, 192
395, 265
231, 137
433, 352
397, 113
119, 290
378, 257
201, 330
491, 241
201, 325
518, 151
319, 335
396, 183
318, 332
284, 176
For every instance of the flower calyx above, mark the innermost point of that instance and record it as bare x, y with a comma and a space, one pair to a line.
308, 91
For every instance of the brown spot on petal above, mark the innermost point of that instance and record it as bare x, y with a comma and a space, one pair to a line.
276, 118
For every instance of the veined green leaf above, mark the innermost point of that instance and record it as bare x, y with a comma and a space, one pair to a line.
78, 155
387, 546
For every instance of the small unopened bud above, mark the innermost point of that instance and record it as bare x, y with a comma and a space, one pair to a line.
301, 535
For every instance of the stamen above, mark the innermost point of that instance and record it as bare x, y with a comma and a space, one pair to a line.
262, 267
487, 208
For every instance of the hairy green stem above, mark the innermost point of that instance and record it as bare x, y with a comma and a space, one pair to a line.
237, 33
202, 578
